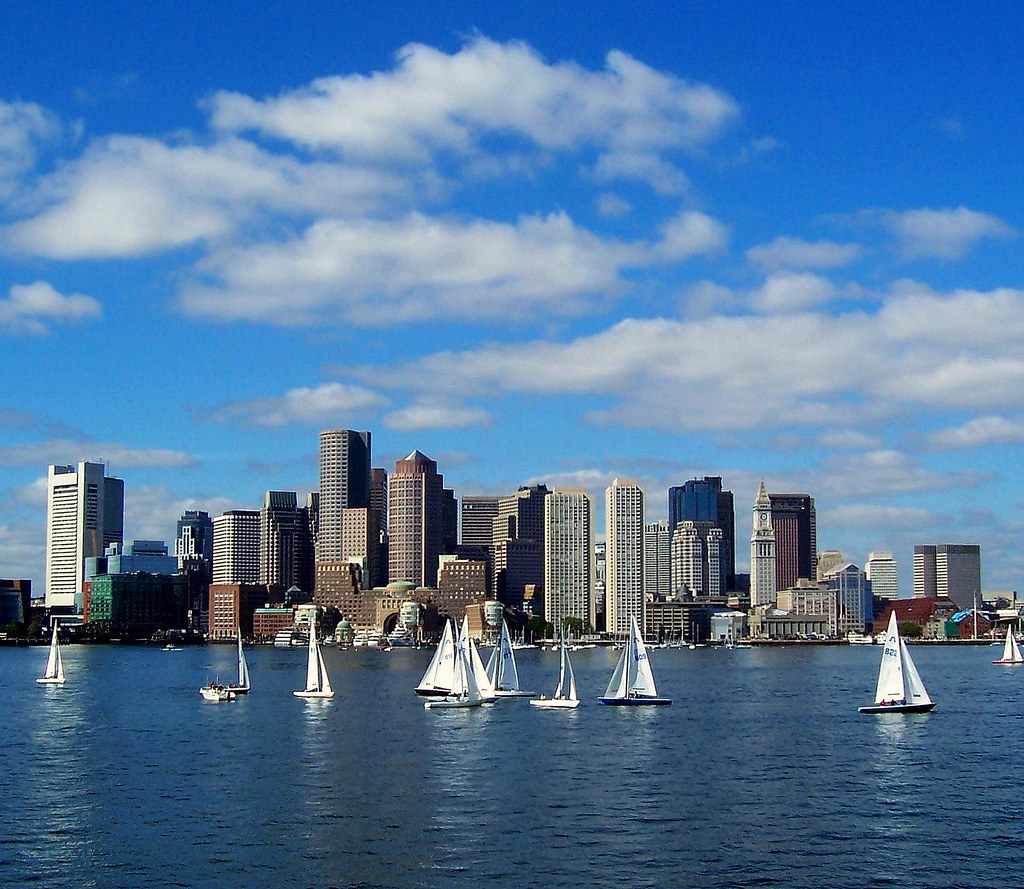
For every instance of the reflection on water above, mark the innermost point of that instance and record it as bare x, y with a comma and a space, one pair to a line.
760, 772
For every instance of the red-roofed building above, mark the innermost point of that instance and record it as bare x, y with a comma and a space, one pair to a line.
930, 613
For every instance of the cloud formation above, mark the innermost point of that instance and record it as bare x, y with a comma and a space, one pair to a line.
33, 308
943, 233
71, 451
327, 404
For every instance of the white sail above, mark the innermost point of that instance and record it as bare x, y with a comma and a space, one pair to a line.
54, 672
507, 678
243, 666
890, 686
440, 671
617, 686
566, 689
318, 684
492, 664
643, 678
915, 690
474, 664
561, 670
1011, 650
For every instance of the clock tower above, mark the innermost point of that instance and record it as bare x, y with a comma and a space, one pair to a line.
762, 552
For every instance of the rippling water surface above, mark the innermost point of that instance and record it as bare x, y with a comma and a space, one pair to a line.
761, 773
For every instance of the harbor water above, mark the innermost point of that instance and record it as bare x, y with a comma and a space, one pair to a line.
761, 773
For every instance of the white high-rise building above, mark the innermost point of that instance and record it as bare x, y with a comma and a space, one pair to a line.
657, 560
568, 557
762, 552
84, 514
697, 559
624, 556
236, 547
884, 573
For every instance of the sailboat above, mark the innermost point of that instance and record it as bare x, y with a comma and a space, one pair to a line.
318, 685
565, 692
899, 689
54, 673
1011, 650
242, 686
501, 668
464, 691
632, 682
437, 680
475, 665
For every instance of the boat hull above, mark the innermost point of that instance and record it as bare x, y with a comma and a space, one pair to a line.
324, 695
433, 692
1005, 663
896, 708
635, 702
239, 689
50, 680
513, 693
556, 703
442, 704
216, 695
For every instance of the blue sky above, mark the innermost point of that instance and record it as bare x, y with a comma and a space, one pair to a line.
648, 240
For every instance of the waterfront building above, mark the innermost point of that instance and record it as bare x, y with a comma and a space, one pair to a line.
84, 515
280, 532
517, 545
361, 542
568, 557
150, 556
796, 538
948, 569
344, 484
811, 599
763, 574
236, 547
232, 607
854, 609
696, 560
135, 606
414, 519
657, 559
15, 600
883, 573
624, 540
704, 500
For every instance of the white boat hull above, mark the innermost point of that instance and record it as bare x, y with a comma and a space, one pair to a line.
444, 703
555, 703
314, 694
55, 680
216, 695
514, 693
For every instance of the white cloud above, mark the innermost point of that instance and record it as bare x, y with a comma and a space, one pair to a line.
691, 234
979, 432
426, 416
32, 308
786, 252
330, 403
24, 129
875, 517
611, 206
131, 196
792, 292
416, 268
69, 451
945, 233
434, 102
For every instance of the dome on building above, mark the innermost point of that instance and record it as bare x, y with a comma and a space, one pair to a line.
400, 587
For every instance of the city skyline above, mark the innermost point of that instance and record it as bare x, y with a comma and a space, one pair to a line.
656, 244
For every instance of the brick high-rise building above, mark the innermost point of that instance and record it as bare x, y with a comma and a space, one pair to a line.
415, 520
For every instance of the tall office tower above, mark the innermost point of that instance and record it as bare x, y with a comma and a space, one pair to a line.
703, 500
478, 514
948, 569
84, 514
763, 572
624, 555
344, 483
305, 546
657, 560
568, 556
697, 560
194, 543
449, 522
379, 494
796, 538
518, 545
884, 574
414, 520
361, 537
236, 546
600, 585
282, 525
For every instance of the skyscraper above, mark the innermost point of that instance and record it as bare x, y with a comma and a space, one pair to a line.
948, 569
703, 500
796, 538
624, 555
657, 560
697, 560
284, 540
518, 545
236, 547
478, 515
884, 574
84, 513
344, 483
568, 556
763, 590
414, 520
